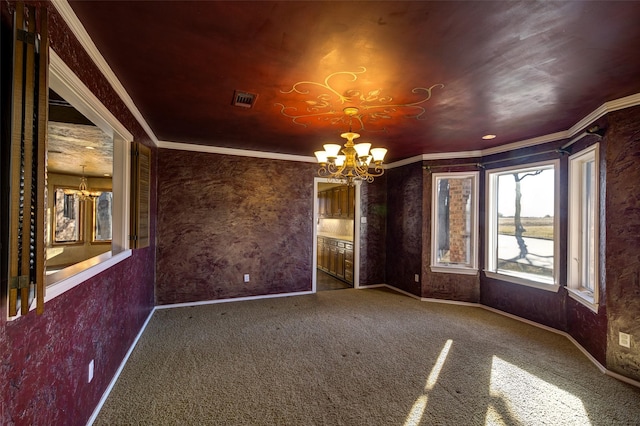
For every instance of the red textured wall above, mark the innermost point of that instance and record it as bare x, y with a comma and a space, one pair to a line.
45, 358
373, 206
622, 204
404, 227
223, 216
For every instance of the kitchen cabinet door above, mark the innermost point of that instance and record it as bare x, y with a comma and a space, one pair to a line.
343, 201
335, 203
340, 263
324, 204
321, 255
333, 260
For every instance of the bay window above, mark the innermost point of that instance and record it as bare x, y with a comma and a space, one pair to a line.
522, 231
582, 258
454, 219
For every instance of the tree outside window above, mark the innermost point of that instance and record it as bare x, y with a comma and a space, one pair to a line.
522, 231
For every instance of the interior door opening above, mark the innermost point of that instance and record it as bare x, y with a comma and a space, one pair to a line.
335, 265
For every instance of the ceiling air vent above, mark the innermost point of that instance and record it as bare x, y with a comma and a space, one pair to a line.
244, 99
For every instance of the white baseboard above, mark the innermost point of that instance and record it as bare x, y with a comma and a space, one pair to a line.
366, 287
599, 366
236, 299
113, 381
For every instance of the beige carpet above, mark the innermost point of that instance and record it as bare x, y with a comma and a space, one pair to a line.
358, 357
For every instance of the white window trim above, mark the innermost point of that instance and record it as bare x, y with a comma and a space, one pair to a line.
64, 82
574, 248
491, 220
455, 268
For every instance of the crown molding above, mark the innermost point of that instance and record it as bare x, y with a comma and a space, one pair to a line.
69, 16
527, 143
404, 162
234, 151
607, 107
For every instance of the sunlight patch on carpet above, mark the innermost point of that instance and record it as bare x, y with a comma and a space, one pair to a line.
542, 400
415, 415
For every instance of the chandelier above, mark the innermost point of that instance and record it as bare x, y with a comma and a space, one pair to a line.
83, 192
355, 161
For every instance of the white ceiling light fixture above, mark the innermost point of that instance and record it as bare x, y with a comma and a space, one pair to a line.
354, 162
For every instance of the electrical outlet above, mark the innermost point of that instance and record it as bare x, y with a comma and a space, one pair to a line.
90, 377
363, 219
624, 339
246, 278
416, 278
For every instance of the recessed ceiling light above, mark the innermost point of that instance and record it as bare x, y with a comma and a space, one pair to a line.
487, 137
89, 147
106, 174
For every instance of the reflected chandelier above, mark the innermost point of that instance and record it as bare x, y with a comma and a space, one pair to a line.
354, 162
83, 192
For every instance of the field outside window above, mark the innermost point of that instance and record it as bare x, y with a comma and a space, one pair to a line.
522, 232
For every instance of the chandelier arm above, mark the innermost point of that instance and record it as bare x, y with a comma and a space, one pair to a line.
355, 161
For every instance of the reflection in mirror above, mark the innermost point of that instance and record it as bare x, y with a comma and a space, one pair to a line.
67, 217
102, 208
79, 156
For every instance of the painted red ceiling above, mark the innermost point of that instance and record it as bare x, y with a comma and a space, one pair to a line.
516, 69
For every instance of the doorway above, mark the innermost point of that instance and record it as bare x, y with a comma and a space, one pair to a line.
336, 236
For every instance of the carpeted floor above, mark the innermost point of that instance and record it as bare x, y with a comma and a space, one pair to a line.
358, 357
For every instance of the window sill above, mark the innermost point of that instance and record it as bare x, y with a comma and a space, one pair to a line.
523, 281
584, 298
67, 278
454, 270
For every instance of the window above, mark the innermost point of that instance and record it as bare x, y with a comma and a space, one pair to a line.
522, 232
110, 230
454, 217
582, 261
102, 217
66, 217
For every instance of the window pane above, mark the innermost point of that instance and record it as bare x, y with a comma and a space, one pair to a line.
525, 240
583, 227
588, 227
67, 226
102, 216
454, 221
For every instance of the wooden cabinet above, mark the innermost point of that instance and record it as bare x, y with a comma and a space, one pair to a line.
348, 263
322, 258
351, 202
337, 202
333, 260
342, 196
324, 204
340, 263
336, 258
